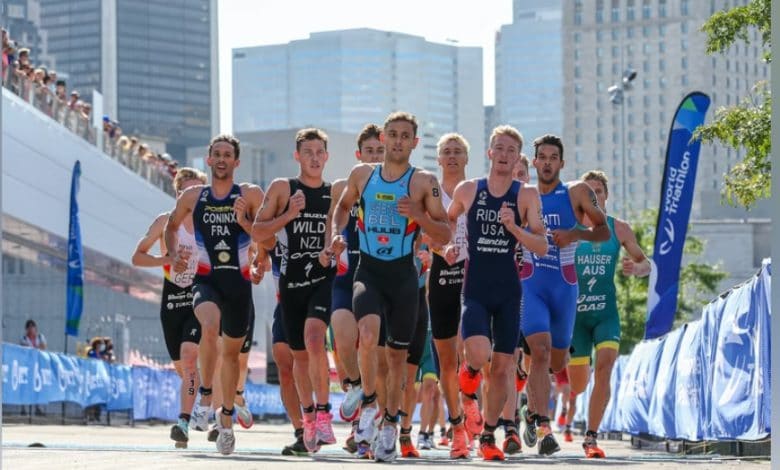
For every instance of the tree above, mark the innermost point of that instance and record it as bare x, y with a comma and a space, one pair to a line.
698, 284
746, 125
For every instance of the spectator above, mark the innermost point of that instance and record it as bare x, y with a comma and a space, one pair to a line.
32, 338
60, 90
108, 354
24, 58
74, 99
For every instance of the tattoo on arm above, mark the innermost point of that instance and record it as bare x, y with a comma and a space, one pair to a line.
435, 191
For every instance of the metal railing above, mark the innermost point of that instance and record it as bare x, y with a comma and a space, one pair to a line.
148, 165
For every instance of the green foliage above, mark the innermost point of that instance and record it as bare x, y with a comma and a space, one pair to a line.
698, 284
746, 125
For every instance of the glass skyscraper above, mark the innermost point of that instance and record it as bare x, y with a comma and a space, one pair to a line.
153, 60
341, 80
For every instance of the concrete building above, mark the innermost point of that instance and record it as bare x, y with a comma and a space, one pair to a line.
155, 62
529, 70
341, 80
21, 18
661, 41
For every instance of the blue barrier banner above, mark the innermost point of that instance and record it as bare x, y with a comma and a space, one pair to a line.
661, 412
682, 157
18, 375
155, 394
689, 386
75, 280
121, 393
612, 415
637, 385
734, 329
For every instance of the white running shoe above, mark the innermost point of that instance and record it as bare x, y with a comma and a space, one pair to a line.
364, 433
385, 448
199, 420
244, 416
350, 407
226, 440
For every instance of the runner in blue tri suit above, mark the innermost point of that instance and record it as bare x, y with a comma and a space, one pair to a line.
496, 208
550, 282
396, 201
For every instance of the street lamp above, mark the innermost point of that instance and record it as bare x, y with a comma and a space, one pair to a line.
616, 93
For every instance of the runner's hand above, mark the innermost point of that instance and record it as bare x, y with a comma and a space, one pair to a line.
181, 260
507, 216
563, 238
628, 267
451, 254
296, 205
408, 208
338, 245
326, 257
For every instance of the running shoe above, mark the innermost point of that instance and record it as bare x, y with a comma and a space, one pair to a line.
324, 428
351, 445
200, 418
244, 416
180, 434
384, 448
591, 448
547, 443
529, 435
488, 448
213, 433
473, 417
310, 433
297, 448
562, 418
407, 447
460, 443
469, 382
364, 433
350, 407
423, 441
226, 440
567, 435
512, 443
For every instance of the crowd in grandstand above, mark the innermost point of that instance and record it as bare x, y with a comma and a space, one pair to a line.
46, 91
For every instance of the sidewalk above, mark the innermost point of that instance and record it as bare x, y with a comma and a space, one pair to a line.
146, 446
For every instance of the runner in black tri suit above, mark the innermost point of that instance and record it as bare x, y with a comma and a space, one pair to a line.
296, 212
180, 327
396, 201
496, 208
222, 289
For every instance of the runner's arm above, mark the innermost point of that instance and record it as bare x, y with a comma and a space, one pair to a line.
269, 220
141, 256
433, 218
534, 236
636, 264
184, 206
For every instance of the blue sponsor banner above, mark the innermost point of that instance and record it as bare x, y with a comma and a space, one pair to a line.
636, 387
155, 394
661, 411
689, 386
682, 156
75, 280
33, 377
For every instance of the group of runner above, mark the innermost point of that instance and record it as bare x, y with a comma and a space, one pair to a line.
492, 277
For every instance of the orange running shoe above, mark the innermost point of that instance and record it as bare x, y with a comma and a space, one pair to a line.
488, 448
567, 435
512, 443
473, 417
469, 383
592, 450
460, 443
562, 418
445, 440
407, 447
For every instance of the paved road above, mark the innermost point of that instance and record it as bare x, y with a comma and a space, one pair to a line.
144, 446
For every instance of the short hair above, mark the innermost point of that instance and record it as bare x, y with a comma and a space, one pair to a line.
402, 116
508, 131
30, 323
548, 139
597, 175
524, 160
229, 138
370, 131
452, 136
187, 174
60, 82
310, 133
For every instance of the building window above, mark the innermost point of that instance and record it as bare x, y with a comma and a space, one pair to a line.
630, 119
599, 87
662, 82
662, 117
615, 11
646, 48
630, 101
646, 102
614, 120
684, 7
599, 156
646, 9
646, 83
630, 49
599, 11
684, 27
577, 122
684, 44
599, 69
661, 65
577, 37
684, 63
599, 35
684, 80
577, 53
599, 122
615, 52
630, 10
577, 156
615, 68
645, 66
599, 52
630, 32
577, 88
662, 8
577, 71
661, 47
646, 115
661, 30
662, 100
599, 138
578, 140
615, 139
714, 80
646, 135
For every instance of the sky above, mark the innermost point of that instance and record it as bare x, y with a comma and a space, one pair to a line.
244, 23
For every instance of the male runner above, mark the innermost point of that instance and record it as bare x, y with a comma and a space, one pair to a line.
222, 289
597, 322
297, 211
550, 282
396, 201
343, 322
181, 329
496, 208
446, 282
